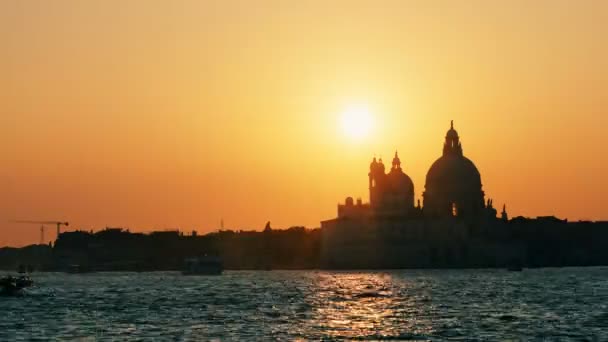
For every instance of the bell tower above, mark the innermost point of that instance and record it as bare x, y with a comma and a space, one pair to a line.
376, 181
373, 180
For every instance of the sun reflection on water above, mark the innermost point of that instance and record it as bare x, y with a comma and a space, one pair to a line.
351, 305
419, 305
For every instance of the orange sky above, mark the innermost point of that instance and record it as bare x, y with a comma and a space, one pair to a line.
158, 114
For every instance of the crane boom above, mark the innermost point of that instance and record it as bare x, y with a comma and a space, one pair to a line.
42, 222
57, 223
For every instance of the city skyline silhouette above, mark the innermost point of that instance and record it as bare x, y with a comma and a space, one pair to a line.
158, 116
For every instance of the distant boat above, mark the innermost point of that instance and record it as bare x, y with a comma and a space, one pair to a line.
205, 265
10, 286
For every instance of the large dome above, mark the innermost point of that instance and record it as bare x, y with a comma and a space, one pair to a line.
453, 183
453, 171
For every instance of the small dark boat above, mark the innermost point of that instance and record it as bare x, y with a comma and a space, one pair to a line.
11, 286
205, 265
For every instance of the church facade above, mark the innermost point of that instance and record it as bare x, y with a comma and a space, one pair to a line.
394, 231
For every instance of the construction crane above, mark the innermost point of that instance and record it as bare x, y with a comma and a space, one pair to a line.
42, 234
57, 223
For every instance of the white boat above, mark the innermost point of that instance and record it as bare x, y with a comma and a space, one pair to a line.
205, 265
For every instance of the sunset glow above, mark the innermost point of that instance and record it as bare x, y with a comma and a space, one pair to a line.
153, 114
356, 122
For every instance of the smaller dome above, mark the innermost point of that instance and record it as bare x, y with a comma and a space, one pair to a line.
399, 181
403, 181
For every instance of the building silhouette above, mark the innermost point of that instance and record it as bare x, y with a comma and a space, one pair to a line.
453, 183
453, 189
392, 231
455, 226
390, 193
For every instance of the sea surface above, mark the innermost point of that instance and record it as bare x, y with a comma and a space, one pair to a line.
558, 304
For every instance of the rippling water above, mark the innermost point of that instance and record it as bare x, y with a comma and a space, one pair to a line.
554, 304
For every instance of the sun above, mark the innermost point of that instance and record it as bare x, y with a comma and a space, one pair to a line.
356, 122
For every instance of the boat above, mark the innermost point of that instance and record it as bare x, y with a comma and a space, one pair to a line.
10, 286
205, 265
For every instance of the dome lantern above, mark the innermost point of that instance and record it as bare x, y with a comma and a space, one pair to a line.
452, 142
396, 162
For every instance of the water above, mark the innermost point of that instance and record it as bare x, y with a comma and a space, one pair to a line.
549, 304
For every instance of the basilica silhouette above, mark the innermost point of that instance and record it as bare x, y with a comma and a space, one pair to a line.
454, 225
453, 189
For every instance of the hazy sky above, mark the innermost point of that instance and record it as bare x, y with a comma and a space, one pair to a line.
159, 114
